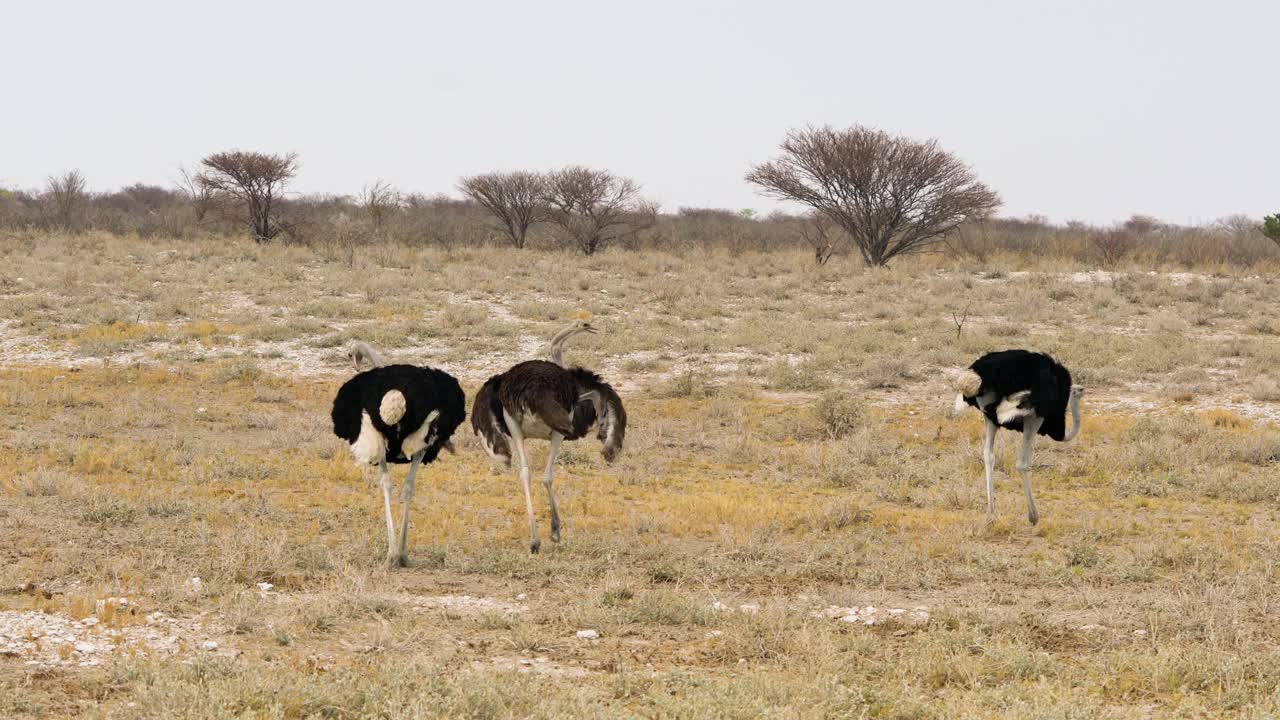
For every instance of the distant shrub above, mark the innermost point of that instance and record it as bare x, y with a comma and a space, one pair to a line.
840, 413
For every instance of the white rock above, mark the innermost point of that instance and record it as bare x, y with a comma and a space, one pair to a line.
521, 596
1140, 633
209, 645
588, 635
89, 621
749, 608
85, 648
715, 633
265, 586
196, 584
1091, 628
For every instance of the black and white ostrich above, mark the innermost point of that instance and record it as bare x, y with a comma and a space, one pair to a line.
1022, 391
397, 414
541, 400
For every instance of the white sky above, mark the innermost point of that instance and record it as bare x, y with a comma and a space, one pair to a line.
1090, 110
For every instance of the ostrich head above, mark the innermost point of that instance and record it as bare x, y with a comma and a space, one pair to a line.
580, 326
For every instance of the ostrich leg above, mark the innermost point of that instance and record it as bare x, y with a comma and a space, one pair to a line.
401, 557
556, 438
384, 477
517, 439
1029, 427
989, 462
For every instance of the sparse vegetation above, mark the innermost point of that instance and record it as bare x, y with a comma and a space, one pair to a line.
789, 451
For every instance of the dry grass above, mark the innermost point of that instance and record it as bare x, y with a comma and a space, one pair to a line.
790, 448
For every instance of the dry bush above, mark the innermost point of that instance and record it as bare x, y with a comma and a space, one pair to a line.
1113, 245
66, 196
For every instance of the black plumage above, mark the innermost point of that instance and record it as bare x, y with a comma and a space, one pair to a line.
1024, 391
425, 390
397, 414
1009, 372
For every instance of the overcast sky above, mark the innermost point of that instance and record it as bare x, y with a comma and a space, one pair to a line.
1075, 110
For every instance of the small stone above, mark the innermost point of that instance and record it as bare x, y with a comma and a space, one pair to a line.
265, 586
521, 596
199, 410
89, 621
1140, 633
209, 645
85, 648
588, 635
749, 608
1091, 628
715, 633
525, 662
196, 584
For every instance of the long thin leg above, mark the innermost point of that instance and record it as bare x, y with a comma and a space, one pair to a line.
517, 439
556, 438
1029, 427
402, 555
385, 478
989, 462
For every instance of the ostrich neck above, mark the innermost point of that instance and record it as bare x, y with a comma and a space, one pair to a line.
1074, 406
557, 345
371, 355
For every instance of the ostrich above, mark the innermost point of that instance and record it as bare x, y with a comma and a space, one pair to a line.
542, 400
1022, 391
397, 414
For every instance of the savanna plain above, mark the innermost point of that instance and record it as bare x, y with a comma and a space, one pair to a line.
796, 527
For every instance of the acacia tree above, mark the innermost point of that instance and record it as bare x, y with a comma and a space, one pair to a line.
253, 180
891, 194
595, 208
516, 199
66, 195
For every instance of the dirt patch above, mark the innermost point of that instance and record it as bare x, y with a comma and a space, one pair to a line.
55, 640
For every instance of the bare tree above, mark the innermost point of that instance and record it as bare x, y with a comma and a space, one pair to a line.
516, 199
595, 208
379, 201
196, 192
254, 180
817, 230
893, 195
66, 196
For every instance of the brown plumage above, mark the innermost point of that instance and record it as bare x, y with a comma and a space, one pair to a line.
542, 400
